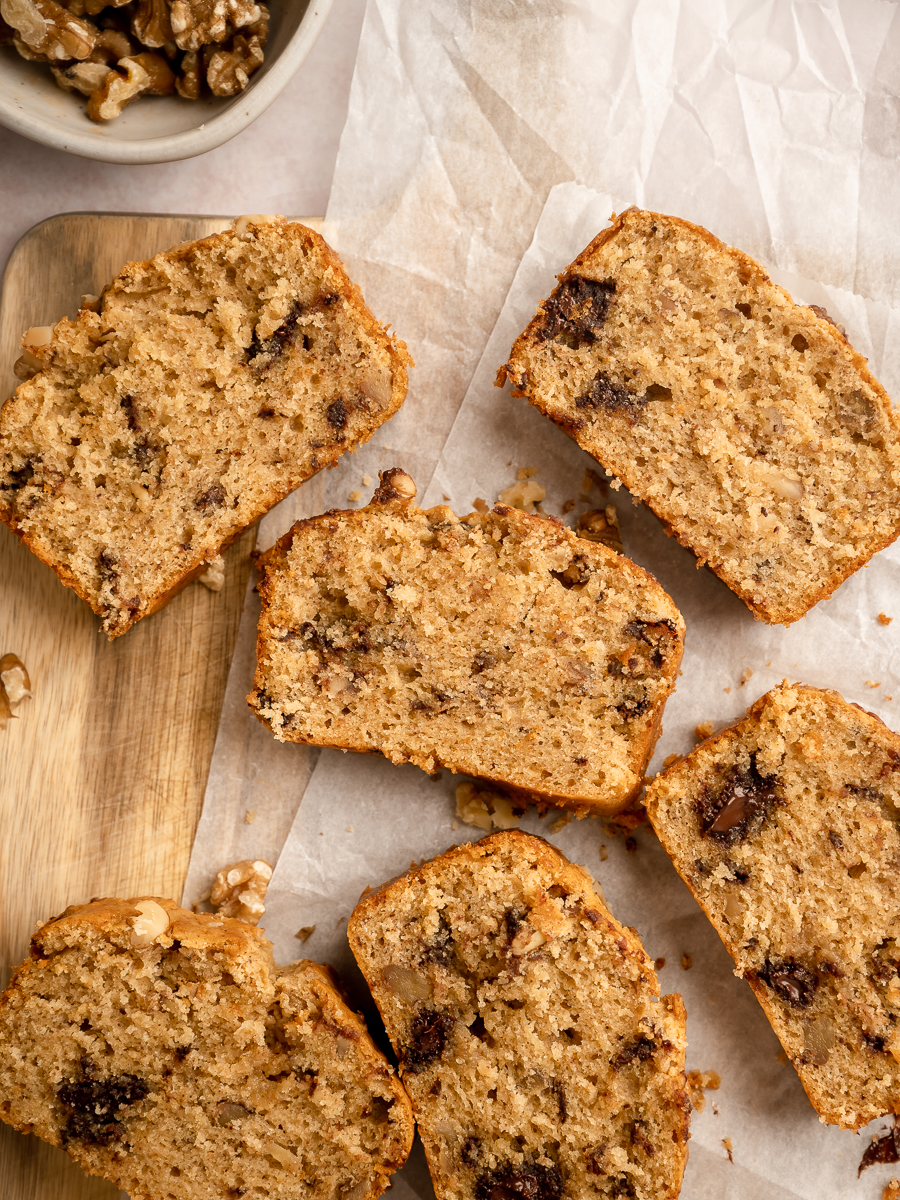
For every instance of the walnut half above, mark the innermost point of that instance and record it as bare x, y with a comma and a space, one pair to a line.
240, 890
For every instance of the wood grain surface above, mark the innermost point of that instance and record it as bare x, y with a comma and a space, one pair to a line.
102, 775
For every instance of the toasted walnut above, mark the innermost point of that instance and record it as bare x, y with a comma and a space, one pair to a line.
485, 808
240, 890
188, 82
214, 575
30, 362
407, 985
112, 44
524, 494
152, 921
228, 70
601, 525
84, 77
14, 679
48, 29
196, 23
145, 74
151, 24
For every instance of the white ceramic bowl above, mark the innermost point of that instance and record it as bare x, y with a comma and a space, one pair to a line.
156, 128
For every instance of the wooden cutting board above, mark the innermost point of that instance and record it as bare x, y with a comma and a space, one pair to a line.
102, 775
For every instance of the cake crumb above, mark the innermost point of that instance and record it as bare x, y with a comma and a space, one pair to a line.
249, 816
446, 499
349, 829
884, 619
567, 507
355, 496
631, 845
869, 683
604, 854
669, 759
698, 1082
891, 1190
783, 1058
339, 922
524, 495
304, 934
686, 962
559, 825
367, 479
658, 964
728, 690
746, 674
486, 809
480, 505
704, 730
726, 1142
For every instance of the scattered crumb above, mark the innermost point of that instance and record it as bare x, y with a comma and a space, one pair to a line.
446, 499
249, 816
526, 472
560, 824
355, 496
349, 828
715, 1108
658, 964
626, 821
455, 826
746, 674
704, 730
367, 479
568, 506
304, 934
870, 684
587, 482
889, 697
891, 1190
669, 759
321, 835
486, 809
604, 854
884, 619
523, 495
698, 1082
686, 962
783, 1058
480, 506
339, 922
728, 690
726, 1142
769, 663
631, 845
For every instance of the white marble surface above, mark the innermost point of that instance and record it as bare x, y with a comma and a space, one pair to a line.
282, 163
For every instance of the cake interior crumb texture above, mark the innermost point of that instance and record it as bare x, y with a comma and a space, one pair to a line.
498, 645
785, 828
539, 1057
211, 381
191, 1068
747, 423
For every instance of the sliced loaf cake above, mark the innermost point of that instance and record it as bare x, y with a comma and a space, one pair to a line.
785, 828
500, 645
195, 393
169, 1055
747, 423
540, 1059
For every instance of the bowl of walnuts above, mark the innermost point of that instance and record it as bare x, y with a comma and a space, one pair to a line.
144, 81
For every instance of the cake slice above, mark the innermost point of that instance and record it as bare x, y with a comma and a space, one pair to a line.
169, 1055
195, 393
498, 645
747, 423
785, 828
540, 1060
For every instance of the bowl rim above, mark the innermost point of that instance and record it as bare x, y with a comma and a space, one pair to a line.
213, 132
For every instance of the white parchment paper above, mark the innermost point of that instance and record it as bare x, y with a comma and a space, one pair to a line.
774, 123
363, 820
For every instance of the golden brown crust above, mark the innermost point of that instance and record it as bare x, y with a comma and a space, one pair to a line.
825, 910
527, 350
277, 567
305, 245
